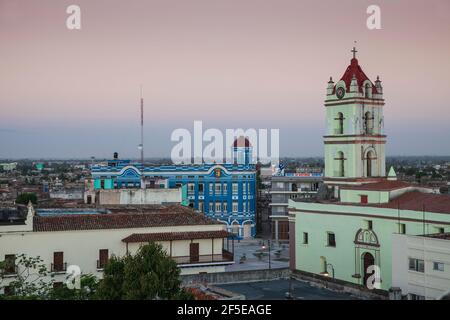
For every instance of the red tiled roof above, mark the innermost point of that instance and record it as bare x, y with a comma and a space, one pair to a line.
169, 216
385, 185
355, 69
443, 236
241, 142
418, 201
167, 236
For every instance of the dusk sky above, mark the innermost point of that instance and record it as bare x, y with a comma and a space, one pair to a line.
230, 63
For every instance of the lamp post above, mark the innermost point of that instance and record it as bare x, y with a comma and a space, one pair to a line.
288, 294
270, 265
264, 248
332, 269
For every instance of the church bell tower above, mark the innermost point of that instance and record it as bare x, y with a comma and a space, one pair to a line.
354, 142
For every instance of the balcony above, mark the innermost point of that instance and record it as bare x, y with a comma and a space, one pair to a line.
11, 271
225, 257
101, 264
58, 267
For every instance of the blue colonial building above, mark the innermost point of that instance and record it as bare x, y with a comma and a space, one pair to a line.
226, 192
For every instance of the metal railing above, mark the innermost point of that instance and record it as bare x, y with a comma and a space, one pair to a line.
101, 264
59, 267
11, 270
226, 256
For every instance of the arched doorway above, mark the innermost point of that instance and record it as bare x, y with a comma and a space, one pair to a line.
247, 230
235, 228
367, 253
323, 265
367, 261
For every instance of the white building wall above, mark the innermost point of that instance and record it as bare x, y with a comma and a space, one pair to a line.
138, 196
432, 283
81, 248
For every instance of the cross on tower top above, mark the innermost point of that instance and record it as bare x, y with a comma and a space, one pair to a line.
354, 52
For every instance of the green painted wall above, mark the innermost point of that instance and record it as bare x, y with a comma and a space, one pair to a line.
109, 184
342, 257
372, 196
184, 195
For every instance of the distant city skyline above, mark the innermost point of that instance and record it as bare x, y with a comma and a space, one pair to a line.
232, 64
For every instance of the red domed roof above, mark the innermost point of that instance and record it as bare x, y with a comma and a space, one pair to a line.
241, 142
355, 69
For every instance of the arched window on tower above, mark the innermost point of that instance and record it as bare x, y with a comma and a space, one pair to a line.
340, 165
340, 123
367, 91
369, 158
368, 123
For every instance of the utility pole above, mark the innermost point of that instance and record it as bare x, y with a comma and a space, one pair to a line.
142, 129
270, 265
141, 145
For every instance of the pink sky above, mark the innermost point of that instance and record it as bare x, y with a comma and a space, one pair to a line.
230, 63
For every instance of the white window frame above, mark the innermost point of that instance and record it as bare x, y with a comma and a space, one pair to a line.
218, 188
417, 264
438, 266
211, 188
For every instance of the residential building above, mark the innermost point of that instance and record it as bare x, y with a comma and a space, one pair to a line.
86, 239
8, 166
225, 192
66, 194
295, 186
421, 265
157, 193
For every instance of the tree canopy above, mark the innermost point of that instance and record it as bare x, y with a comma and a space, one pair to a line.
26, 197
149, 274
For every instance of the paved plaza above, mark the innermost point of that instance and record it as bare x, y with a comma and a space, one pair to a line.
256, 253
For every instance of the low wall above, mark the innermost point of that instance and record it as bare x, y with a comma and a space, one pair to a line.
284, 273
340, 285
237, 276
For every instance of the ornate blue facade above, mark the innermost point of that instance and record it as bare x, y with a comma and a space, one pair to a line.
226, 192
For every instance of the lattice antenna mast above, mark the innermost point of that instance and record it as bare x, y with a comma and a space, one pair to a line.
141, 146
